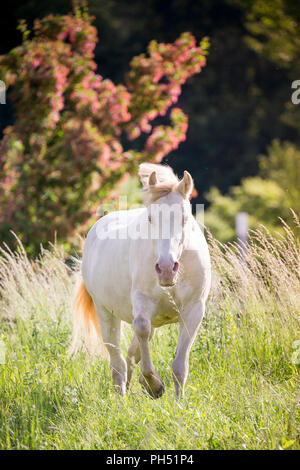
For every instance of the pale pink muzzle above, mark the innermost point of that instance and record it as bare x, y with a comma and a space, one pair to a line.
167, 272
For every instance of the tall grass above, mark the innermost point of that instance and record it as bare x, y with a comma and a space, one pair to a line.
243, 384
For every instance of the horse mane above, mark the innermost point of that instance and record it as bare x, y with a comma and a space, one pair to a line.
167, 181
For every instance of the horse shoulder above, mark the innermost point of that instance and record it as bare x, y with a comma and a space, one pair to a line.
196, 267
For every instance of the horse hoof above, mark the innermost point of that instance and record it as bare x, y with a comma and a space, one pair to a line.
160, 391
152, 392
121, 390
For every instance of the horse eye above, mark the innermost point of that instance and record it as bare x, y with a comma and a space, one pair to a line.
149, 218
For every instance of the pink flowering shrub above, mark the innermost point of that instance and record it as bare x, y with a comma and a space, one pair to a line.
64, 153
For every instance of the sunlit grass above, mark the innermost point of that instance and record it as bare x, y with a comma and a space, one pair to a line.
242, 388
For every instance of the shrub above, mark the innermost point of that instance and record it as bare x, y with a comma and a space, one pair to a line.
70, 144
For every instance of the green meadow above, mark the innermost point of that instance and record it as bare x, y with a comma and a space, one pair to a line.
243, 386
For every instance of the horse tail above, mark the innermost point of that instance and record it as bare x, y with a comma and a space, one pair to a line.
86, 326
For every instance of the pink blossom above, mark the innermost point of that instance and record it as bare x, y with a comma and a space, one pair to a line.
105, 154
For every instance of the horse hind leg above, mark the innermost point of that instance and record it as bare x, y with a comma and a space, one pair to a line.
111, 332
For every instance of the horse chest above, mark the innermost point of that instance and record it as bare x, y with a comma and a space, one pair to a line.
166, 311
163, 319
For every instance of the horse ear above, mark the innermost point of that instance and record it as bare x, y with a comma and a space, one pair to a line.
152, 179
186, 185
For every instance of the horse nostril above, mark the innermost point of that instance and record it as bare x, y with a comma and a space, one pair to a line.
157, 268
175, 267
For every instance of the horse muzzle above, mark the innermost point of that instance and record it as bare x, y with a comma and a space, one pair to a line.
167, 273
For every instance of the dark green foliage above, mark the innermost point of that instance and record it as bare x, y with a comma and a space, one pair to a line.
234, 110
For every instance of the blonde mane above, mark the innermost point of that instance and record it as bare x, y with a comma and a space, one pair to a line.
167, 181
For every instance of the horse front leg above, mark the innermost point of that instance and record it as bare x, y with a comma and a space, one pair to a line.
142, 328
189, 325
134, 356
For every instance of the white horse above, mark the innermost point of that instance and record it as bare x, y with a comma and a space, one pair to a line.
148, 281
